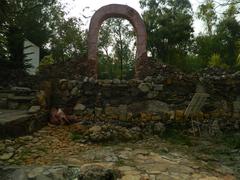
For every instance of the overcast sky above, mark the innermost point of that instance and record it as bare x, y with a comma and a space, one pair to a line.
76, 7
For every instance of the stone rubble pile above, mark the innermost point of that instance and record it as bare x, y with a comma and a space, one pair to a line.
100, 132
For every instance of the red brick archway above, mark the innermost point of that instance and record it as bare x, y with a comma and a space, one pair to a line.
118, 11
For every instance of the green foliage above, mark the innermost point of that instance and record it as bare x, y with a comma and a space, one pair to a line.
175, 136
223, 41
228, 31
192, 63
216, 61
68, 40
22, 19
169, 26
238, 51
75, 136
46, 61
117, 50
43, 23
206, 12
231, 140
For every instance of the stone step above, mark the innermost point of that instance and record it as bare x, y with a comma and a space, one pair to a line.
15, 123
17, 91
21, 98
16, 102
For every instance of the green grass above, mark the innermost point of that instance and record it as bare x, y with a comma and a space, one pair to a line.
231, 140
120, 162
176, 137
75, 136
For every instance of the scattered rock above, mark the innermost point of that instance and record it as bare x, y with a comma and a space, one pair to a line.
34, 109
145, 87
63, 84
159, 128
157, 106
116, 81
26, 138
158, 87
35, 172
10, 149
98, 173
131, 177
79, 108
6, 156
75, 91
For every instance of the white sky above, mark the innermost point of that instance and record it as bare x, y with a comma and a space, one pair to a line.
76, 7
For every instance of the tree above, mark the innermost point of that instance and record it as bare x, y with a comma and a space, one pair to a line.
118, 36
228, 33
24, 19
68, 39
207, 13
169, 27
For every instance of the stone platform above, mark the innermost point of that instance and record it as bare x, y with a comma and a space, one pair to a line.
19, 122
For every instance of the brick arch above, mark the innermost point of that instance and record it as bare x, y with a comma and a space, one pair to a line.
117, 11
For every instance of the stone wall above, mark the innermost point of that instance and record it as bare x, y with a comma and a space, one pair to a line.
160, 98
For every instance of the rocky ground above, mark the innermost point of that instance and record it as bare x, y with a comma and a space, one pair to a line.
57, 152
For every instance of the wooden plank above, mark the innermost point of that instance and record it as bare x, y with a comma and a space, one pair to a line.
197, 102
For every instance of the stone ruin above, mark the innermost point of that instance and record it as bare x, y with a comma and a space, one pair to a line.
161, 96
118, 11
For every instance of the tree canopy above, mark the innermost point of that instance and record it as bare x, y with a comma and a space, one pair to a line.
169, 24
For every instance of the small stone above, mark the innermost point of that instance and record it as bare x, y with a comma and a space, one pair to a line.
116, 81
160, 78
19, 174
6, 156
10, 149
3, 103
42, 177
2, 146
35, 172
85, 79
58, 172
131, 177
152, 94
106, 81
13, 105
200, 89
9, 142
63, 84
144, 87
79, 107
158, 87
34, 109
97, 172
26, 138
179, 115
20, 89
92, 80
159, 128
157, 106
98, 111
209, 178
123, 81
75, 91
148, 79
95, 129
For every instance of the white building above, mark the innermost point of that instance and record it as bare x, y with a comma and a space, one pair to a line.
32, 54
